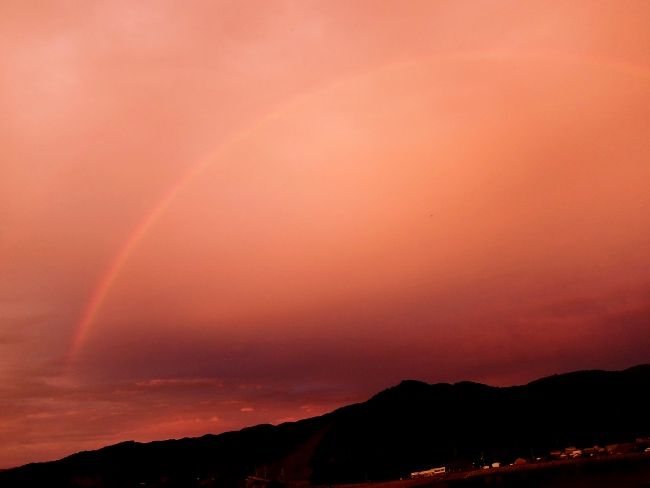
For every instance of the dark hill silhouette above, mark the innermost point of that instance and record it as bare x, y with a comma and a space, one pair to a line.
405, 428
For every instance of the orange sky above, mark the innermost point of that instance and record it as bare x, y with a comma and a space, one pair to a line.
214, 214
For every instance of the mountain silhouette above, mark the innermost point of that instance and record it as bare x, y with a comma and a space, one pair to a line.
408, 427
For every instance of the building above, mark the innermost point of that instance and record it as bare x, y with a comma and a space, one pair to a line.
429, 472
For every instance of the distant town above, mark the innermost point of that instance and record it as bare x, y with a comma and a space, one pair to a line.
640, 445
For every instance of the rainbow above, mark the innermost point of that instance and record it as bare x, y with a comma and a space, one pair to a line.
111, 274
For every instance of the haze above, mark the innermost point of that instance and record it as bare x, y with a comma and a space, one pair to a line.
216, 214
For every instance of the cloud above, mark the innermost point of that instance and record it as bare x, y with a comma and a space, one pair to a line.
180, 383
436, 190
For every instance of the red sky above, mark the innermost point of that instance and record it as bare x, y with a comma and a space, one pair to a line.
215, 214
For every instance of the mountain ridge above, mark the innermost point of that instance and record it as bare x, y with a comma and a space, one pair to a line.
410, 426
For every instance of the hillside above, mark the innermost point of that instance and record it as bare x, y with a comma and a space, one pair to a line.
408, 427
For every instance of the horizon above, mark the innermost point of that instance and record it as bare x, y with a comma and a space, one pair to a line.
368, 398
216, 214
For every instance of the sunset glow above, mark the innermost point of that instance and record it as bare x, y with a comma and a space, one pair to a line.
218, 214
